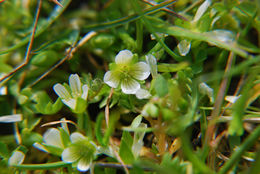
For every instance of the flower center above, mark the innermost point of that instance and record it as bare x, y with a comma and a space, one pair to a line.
124, 71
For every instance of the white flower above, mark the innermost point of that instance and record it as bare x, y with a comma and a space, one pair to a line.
16, 158
55, 140
52, 142
126, 73
77, 90
81, 152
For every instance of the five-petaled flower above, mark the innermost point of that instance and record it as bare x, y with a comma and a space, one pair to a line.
81, 152
74, 95
125, 72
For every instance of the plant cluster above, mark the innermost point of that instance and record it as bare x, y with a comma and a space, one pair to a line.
153, 86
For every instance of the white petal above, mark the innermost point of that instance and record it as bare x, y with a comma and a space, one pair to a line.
16, 158
222, 35
201, 10
138, 140
152, 62
85, 92
142, 94
124, 57
83, 164
70, 103
11, 118
77, 137
40, 147
232, 99
75, 85
205, 89
70, 155
140, 71
3, 90
184, 47
61, 91
129, 86
52, 137
112, 79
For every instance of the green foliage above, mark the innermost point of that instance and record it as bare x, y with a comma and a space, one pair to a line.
125, 150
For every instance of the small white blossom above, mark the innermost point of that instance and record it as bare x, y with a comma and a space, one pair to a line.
127, 73
16, 158
51, 138
77, 90
81, 152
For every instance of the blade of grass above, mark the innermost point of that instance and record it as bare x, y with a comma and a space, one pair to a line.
126, 19
206, 37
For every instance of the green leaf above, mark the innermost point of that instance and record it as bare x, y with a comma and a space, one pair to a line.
45, 58
4, 153
113, 118
165, 67
53, 149
81, 105
44, 104
125, 150
98, 128
136, 122
102, 41
64, 137
160, 86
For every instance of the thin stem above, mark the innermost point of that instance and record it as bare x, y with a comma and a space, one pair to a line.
80, 121
107, 106
28, 51
139, 35
217, 108
69, 54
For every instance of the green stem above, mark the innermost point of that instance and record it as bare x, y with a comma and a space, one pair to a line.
46, 166
240, 150
84, 124
87, 125
80, 121
139, 35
